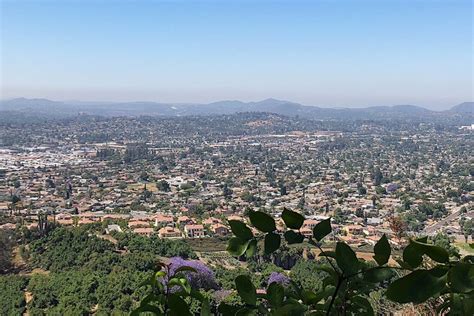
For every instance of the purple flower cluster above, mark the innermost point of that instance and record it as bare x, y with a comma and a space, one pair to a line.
392, 187
203, 278
278, 278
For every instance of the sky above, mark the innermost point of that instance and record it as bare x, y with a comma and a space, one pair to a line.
325, 53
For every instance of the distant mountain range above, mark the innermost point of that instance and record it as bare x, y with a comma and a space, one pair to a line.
466, 107
57, 108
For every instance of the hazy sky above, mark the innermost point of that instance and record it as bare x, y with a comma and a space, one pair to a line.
327, 53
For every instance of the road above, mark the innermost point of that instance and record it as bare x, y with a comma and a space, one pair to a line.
430, 230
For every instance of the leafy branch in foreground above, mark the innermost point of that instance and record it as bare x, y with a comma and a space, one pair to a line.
423, 272
350, 279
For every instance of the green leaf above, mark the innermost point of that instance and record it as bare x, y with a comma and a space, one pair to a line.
236, 246
439, 271
422, 239
292, 237
160, 274
178, 306
295, 290
181, 282
246, 289
262, 221
292, 219
362, 303
322, 229
346, 259
311, 298
185, 268
272, 242
382, 251
240, 230
275, 294
461, 277
403, 264
436, 253
412, 255
246, 311
205, 308
293, 309
226, 309
377, 275
251, 248
416, 287
197, 295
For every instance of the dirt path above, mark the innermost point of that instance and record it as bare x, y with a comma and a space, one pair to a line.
109, 238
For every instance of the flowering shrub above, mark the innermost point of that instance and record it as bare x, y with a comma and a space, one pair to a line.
279, 278
202, 277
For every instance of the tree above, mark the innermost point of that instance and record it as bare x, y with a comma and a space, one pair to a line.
374, 201
163, 185
282, 187
398, 226
6, 243
380, 190
301, 203
12, 301
226, 191
378, 176
362, 190
442, 240
467, 228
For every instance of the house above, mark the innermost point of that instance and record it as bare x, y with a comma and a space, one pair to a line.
307, 232
137, 223
280, 225
184, 220
375, 221
8, 226
65, 221
310, 223
194, 230
144, 231
211, 221
115, 216
219, 229
169, 232
84, 221
163, 220
113, 228
235, 218
353, 229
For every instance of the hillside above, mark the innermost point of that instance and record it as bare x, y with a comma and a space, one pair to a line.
466, 107
287, 108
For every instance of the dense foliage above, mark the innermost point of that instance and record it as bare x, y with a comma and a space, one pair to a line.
5, 250
78, 272
13, 299
162, 247
68, 249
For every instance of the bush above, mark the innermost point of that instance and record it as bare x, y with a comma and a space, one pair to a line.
12, 297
